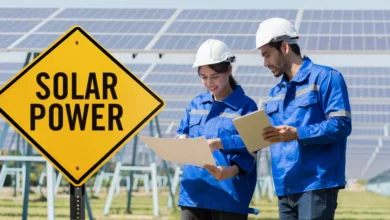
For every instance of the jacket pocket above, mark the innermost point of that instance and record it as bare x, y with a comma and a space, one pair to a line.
307, 110
195, 124
272, 110
227, 125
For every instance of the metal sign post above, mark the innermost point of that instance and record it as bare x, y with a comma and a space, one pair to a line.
77, 201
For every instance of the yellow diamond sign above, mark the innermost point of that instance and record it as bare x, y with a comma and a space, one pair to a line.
77, 105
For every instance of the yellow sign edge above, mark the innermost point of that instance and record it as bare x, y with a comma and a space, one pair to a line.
117, 147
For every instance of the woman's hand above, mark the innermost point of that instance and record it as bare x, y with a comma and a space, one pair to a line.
215, 144
221, 172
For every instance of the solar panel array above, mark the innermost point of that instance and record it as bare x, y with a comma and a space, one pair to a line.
177, 30
179, 83
185, 30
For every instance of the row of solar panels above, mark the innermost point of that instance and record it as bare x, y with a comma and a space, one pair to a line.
182, 43
140, 68
359, 151
361, 118
245, 79
356, 107
374, 83
192, 27
385, 176
151, 29
193, 14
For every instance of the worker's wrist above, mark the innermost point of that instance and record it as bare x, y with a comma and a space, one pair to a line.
295, 131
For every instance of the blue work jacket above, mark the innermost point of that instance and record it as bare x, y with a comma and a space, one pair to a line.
316, 102
213, 119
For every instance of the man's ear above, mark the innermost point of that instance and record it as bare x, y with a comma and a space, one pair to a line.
285, 48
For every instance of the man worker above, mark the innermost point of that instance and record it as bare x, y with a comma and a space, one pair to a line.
311, 117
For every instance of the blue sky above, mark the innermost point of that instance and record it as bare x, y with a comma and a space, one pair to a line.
215, 4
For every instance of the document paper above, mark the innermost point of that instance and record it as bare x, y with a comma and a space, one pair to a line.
250, 127
192, 151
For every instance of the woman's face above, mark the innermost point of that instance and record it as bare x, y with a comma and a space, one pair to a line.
215, 82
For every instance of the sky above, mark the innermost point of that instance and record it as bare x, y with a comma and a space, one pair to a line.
202, 4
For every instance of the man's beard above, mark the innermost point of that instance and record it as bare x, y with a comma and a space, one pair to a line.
280, 67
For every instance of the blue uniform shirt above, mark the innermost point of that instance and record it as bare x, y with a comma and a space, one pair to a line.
316, 102
213, 119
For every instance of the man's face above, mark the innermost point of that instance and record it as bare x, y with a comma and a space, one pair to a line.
274, 60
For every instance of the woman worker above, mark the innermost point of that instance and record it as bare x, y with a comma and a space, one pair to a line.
223, 191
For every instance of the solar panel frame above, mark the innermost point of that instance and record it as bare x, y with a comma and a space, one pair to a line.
6, 40
17, 26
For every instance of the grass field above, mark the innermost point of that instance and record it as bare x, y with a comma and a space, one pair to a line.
352, 205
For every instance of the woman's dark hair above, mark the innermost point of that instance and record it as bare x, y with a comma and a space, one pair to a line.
294, 47
222, 67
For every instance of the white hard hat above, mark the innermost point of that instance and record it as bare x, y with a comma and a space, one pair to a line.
213, 51
275, 29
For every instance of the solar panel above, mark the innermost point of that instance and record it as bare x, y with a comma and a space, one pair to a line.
371, 107
172, 115
252, 69
369, 92
163, 127
367, 132
4, 77
42, 41
103, 13
256, 80
138, 69
174, 68
378, 166
173, 42
7, 39
198, 14
10, 67
370, 119
179, 90
345, 28
177, 104
38, 13
347, 43
9, 26
364, 71
169, 78
386, 142
104, 26
373, 81
213, 27
355, 15
360, 149
364, 142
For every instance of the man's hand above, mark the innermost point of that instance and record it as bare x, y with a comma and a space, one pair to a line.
215, 144
221, 172
281, 133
